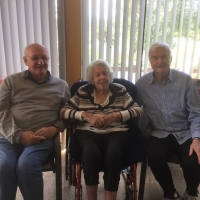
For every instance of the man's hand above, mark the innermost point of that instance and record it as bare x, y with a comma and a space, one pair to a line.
28, 138
47, 132
195, 147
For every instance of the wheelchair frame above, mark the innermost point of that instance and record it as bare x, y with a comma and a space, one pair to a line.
73, 172
73, 168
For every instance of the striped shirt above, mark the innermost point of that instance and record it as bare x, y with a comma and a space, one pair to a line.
119, 101
172, 107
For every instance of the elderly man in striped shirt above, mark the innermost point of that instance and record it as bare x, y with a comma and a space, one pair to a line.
172, 104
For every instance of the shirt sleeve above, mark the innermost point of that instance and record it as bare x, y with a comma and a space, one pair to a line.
8, 128
193, 103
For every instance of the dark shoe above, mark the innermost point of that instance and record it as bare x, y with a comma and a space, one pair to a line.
186, 196
175, 196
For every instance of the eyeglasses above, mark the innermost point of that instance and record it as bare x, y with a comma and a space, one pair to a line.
37, 58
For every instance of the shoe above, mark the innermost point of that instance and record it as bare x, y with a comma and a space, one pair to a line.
175, 196
186, 196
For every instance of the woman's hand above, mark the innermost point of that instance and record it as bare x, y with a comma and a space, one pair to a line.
110, 118
101, 121
95, 120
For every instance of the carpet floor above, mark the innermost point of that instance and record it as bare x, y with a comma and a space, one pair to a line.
152, 189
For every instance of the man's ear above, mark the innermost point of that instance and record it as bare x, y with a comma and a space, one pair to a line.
25, 60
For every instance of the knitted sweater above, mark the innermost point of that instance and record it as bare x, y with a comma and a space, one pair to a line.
119, 101
28, 106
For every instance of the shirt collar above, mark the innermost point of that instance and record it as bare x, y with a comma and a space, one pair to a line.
27, 74
170, 76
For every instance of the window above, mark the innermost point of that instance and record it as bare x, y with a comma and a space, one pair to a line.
122, 31
23, 23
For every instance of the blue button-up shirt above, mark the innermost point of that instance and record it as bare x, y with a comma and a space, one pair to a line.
172, 107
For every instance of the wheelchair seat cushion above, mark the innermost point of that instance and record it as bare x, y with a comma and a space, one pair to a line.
136, 151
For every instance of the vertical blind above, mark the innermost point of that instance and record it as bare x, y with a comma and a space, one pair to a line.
121, 31
23, 22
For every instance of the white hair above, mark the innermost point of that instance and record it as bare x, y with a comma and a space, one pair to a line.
99, 62
160, 44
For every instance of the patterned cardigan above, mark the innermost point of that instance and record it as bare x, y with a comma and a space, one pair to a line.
119, 101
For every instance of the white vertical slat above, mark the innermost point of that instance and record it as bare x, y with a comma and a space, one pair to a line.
198, 74
22, 25
186, 53
148, 36
28, 8
132, 41
21, 31
177, 62
166, 13
117, 37
109, 32
44, 6
140, 39
173, 23
53, 39
3, 69
194, 49
157, 23
37, 21
93, 30
101, 29
14, 36
124, 38
7, 36
85, 36
61, 40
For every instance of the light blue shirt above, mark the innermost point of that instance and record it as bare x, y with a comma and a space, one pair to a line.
172, 107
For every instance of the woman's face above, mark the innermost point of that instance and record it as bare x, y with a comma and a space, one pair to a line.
101, 77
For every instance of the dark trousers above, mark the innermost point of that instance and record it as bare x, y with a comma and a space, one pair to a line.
159, 150
102, 152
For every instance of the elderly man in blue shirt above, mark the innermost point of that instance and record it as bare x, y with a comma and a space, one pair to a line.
172, 104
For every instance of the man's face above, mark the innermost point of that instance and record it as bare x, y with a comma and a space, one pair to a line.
36, 58
160, 60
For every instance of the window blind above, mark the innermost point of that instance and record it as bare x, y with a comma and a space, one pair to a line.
23, 23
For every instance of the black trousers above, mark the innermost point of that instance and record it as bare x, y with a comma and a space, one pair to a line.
102, 152
159, 150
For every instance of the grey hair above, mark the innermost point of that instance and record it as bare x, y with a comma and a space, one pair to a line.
160, 44
99, 62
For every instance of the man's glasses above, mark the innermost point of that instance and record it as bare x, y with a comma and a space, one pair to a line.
37, 58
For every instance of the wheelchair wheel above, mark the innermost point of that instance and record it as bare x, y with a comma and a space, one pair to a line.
69, 166
78, 188
129, 175
68, 162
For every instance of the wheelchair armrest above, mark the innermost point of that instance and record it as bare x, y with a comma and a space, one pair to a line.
57, 143
70, 122
57, 151
148, 130
133, 121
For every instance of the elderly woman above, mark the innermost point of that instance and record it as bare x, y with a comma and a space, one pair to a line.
102, 108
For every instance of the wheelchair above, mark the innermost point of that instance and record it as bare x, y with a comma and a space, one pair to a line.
135, 153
